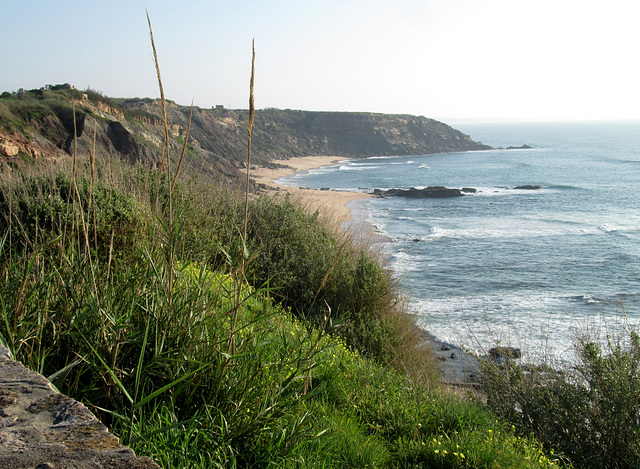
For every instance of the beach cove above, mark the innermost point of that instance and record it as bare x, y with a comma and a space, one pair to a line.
328, 202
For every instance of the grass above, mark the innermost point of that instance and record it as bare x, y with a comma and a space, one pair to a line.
155, 364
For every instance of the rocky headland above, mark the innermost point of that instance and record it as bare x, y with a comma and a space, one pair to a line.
50, 122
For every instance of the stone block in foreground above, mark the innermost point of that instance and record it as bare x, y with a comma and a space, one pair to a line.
42, 429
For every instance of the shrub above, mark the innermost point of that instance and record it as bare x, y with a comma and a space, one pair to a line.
36, 208
590, 413
325, 280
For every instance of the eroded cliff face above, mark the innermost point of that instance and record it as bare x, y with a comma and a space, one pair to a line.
45, 126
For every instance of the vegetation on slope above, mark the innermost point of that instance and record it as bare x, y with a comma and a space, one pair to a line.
590, 411
135, 302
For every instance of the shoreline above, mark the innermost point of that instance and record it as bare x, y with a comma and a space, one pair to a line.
457, 367
332, 204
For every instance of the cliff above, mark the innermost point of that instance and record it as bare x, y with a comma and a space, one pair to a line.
39, 124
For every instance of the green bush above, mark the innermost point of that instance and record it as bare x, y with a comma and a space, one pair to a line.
322, 279
37, 208
590, 413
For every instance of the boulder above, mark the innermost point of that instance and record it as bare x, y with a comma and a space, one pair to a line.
40, 427
8, 148
505, 353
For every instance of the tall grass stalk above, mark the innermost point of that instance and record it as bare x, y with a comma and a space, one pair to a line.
242, 253
171, 234
165, 142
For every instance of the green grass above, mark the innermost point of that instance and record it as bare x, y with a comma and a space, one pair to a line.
154, 326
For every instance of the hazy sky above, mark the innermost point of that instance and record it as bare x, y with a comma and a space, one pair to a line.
555, 59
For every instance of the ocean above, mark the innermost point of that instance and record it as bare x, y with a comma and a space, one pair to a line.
535, 268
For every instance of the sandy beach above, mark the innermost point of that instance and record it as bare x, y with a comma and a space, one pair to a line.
332, 204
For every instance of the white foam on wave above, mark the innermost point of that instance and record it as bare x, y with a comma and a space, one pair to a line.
607, 228
409, 209
424, 166
360, 167
382, 157
502, 191
492, 229
542, 326
404, 262
479, 323
437, 233
320, 170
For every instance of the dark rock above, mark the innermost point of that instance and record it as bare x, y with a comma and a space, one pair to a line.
469, 190
454, 355
126, 144
528, 187
505, 353
521, 147
444, 347
431, 192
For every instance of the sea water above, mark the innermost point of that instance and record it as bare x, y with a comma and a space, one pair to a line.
533, 268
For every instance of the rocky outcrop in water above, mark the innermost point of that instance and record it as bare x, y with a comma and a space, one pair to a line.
528, 187
431, 192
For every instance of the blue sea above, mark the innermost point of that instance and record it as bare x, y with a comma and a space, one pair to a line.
529, 268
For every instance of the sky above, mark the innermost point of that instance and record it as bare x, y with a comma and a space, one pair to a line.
446, 59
